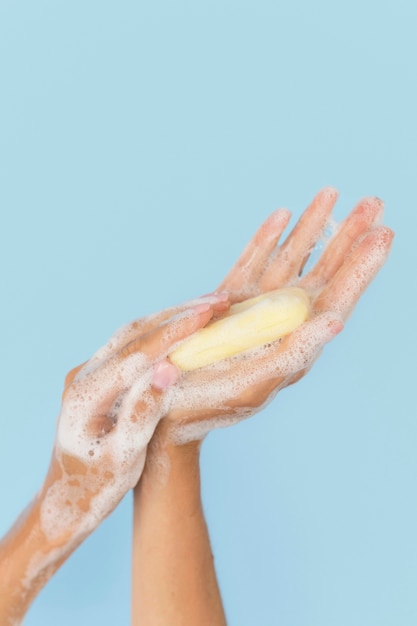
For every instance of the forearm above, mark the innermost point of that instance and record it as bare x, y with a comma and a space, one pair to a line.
174, 580
27, 562
30, 554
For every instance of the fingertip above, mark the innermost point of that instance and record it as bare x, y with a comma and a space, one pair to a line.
378, 241
279, 218
165, 374
376, 202
187, 322
335, 327
222, 296
215, 297
197, 317
387, 234
201, 308
325, 326
329, 192
273, 226
370, 210
217, 302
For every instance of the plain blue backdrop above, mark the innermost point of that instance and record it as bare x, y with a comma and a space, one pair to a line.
141, 144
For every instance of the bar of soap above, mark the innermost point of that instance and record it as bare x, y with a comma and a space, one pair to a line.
249, 324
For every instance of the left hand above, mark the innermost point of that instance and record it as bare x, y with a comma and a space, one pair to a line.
111, 406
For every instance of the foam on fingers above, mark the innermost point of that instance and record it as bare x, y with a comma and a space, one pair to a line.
97, 465
243, 278
225, 388
298, 351
345, 289
366, 215
108, 416
128, 390
135, 329
286, 265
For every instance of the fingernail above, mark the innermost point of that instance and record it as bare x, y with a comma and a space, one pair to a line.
165, 374
222, 296
201, 308
329, 192
214, 297
336, 327
280, 215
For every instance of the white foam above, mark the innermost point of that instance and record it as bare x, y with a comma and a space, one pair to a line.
220, 387
106, 466
343, 299
108, 416
221, 383
108, 389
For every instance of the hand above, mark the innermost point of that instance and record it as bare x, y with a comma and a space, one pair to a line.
111, 406
238, 387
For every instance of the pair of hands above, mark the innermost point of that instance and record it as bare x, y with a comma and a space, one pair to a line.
113, 403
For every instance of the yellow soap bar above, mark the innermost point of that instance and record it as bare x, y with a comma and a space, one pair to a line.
248, 324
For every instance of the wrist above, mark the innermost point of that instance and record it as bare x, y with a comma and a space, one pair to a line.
167, 459
165, 440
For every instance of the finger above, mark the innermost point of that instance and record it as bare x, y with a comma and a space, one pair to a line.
292, 255
246, 380
258, 376
132, 386
143, 397
219, 300
159, 341
346, 287
69, 378
164, 375
133, 330
366, 214
299, 349
244, 276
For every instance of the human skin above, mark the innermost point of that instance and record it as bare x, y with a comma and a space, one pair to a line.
173, 574
345, 269
110, 408
120, 395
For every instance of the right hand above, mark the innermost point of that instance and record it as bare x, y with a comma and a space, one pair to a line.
238, 387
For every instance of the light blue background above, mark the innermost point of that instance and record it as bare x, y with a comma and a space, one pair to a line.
141, 144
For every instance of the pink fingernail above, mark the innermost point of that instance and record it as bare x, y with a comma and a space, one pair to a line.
279, 216
215, 297
329, 192
222, 296
336, 327
164, 375
201, 308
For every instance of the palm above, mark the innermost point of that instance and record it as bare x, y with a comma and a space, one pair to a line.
349, 262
